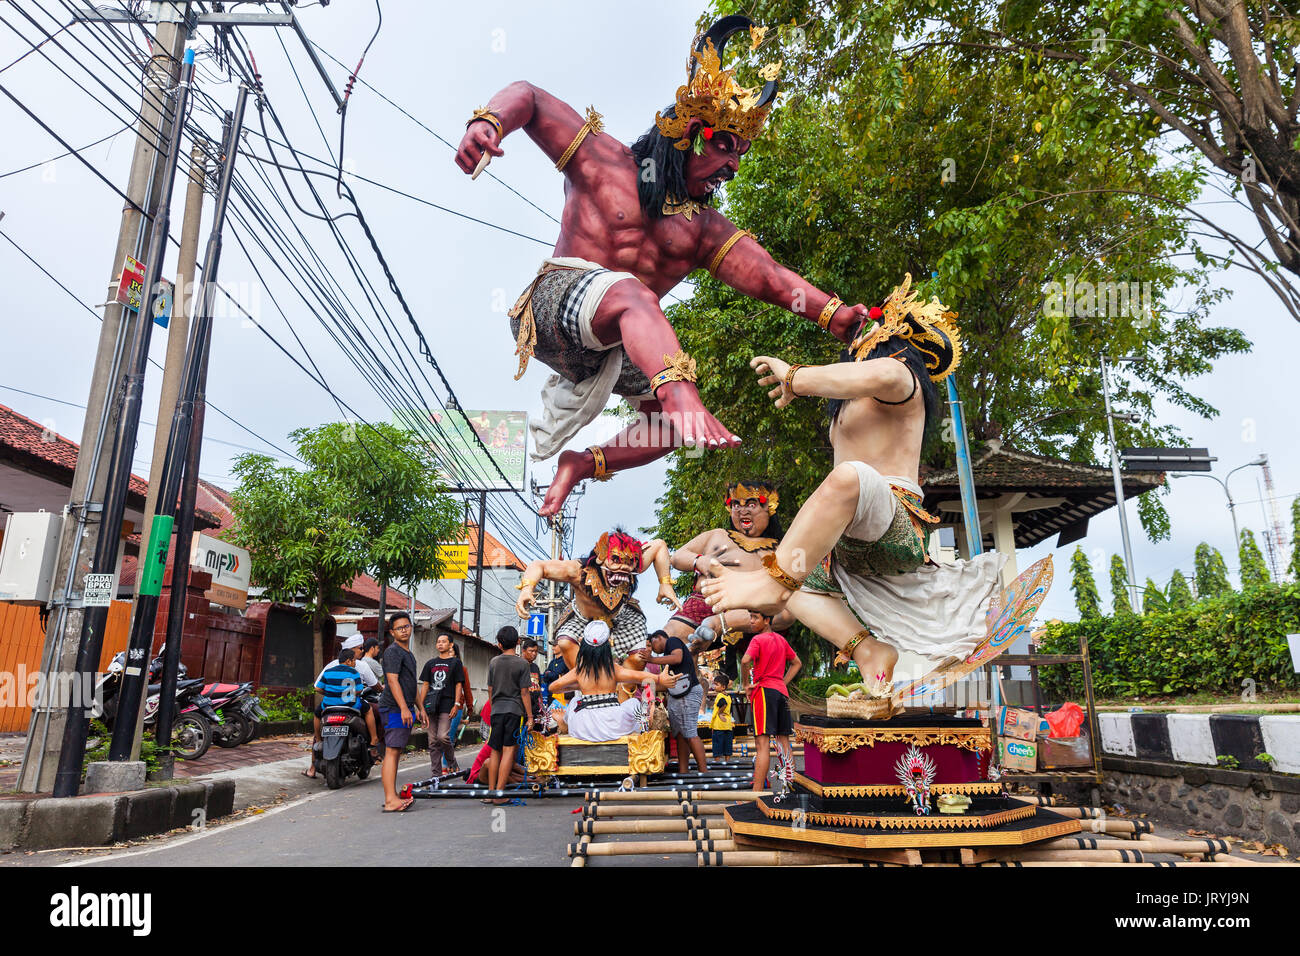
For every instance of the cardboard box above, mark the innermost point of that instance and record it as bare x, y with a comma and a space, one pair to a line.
1055, 753
1016, 754
1020, 724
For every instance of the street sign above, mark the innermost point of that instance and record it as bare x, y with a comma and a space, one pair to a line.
537, 625
229, 566
454, 558
99, 590
130, 291
1166, 459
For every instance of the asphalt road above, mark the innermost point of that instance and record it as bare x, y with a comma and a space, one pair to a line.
346, 827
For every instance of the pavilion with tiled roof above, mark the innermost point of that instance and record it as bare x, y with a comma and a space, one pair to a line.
1025, 498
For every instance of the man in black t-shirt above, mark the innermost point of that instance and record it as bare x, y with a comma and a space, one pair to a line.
395, 706
684, 698
438, 702
528, 651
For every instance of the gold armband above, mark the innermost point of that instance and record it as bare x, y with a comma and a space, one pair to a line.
482, 113
788, 383
828, 312
524, 583
602, 469
677, 368
725, 248
594, 124
786, 580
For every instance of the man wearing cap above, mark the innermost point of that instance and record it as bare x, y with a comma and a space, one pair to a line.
368, 680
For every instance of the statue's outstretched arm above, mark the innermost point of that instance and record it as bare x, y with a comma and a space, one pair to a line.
747, 267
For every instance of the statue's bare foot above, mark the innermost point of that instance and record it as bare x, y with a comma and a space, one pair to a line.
571, 470
729, 590
876, 661
693, 422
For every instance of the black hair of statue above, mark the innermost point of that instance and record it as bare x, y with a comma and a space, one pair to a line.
912, 358
596, 661
665, 174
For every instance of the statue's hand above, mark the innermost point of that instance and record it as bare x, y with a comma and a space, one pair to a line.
668, 597
772, 371
480, 137
525, 599
846, 321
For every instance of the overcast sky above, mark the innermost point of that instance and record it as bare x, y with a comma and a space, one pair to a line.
455, 273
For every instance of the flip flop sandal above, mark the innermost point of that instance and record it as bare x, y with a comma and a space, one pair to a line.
403, 808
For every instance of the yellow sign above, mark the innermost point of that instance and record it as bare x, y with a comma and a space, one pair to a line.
454, 559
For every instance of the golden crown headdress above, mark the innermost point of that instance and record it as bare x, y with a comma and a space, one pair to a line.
713, 96
930, 327
763, 493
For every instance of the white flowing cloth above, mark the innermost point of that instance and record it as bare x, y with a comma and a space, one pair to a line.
599, 724
568, 406
935, 612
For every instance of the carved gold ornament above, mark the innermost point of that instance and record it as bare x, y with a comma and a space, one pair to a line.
842, 740
930, 327
646, 752
541, 755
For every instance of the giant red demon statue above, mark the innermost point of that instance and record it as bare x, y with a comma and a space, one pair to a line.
636, 221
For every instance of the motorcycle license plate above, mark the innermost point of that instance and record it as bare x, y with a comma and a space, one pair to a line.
339, 730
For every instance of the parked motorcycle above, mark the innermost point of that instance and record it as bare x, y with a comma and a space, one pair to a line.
194, 718
239, 709
345, 743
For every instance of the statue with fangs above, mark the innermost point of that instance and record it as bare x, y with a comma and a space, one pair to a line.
637, 220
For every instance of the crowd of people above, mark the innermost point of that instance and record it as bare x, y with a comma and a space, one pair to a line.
582, 700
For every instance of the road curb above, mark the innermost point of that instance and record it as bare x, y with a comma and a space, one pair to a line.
49, 823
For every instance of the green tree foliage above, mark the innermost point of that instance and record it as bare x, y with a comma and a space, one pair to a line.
850, 186
1217, 82
1253, 570
1084, 585
1179, 592
1120, 602
1211, 573
1211, 645
1153, 599
369, 501
1294, 568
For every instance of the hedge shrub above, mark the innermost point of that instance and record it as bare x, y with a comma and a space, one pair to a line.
1210, 646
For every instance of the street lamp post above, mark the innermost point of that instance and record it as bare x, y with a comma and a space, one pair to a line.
1119, 493
1223, 483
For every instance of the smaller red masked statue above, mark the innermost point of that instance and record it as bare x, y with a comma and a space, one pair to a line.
602, 584
637, 220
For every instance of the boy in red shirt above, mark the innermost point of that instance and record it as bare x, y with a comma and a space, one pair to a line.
765, 674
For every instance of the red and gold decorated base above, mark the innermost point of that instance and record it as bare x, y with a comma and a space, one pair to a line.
841, 752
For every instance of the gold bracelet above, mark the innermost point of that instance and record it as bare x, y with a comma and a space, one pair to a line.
594, 124
786, 580
788, 383
725, 248
677, 368
602, 469
524, 583
828, 312
482, 113
666, 579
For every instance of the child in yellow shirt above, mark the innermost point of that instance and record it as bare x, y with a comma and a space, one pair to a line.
721, 723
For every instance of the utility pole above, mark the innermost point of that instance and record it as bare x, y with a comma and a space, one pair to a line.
82, 526
67, 781
178, 331
1134, 599
185, 438
478, 579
